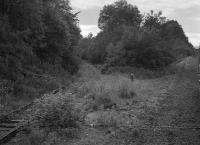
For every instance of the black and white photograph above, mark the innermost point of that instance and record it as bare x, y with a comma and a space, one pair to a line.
99, 72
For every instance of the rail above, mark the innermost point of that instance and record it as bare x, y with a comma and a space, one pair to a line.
11, 125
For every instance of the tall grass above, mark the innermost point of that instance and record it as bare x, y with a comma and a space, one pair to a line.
106, 90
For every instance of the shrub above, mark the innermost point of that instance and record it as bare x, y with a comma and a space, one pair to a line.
55, 112
70, 63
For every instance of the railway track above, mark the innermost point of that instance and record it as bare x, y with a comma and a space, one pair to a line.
9, 129
12, 123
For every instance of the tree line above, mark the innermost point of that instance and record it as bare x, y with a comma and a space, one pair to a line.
34, 32
37, 32
128, 38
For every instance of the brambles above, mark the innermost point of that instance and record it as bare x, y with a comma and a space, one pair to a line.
55, 112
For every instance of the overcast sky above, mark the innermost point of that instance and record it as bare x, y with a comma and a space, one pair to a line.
186, 12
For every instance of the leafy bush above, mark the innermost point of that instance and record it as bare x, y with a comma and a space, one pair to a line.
70, 62
128, 38
55, 112
154, 58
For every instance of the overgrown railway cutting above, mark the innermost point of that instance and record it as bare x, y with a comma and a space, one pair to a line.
13, 122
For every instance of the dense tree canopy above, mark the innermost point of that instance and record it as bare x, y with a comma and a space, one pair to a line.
154, 20
117, 14
129, 38
35, 31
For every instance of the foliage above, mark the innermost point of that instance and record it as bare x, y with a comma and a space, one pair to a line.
33, 32
153, 20
115, 54
85, 46
55, 112
119, 13
128, 38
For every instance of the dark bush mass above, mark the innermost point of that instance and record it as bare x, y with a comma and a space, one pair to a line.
33, 32
129, 38
36, 36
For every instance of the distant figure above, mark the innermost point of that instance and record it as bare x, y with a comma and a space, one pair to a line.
132, 77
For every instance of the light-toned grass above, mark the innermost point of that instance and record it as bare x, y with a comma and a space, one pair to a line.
96, 83
187, 64
106, 90
115, 86
106, 83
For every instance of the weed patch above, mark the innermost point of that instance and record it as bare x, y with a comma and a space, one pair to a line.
55, 112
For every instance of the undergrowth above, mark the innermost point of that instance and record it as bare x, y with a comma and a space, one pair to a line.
54, 112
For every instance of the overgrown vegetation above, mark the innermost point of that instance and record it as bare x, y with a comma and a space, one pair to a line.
55, 112
128, 38
54, 120
36, 36
38, 54
102, 91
